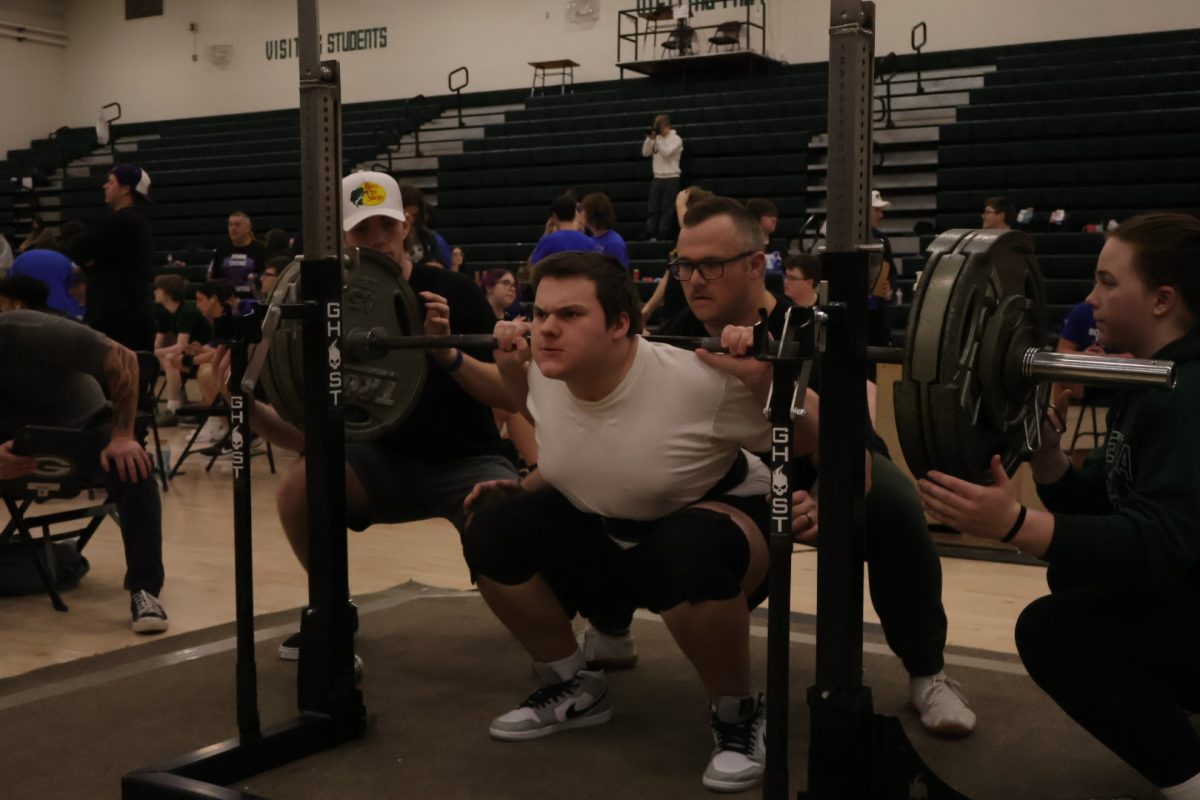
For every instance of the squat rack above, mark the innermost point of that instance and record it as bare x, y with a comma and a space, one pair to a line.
853, 754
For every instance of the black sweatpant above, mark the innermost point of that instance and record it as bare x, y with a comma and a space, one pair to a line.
139, 509
660, 217
903, 570
1125, 664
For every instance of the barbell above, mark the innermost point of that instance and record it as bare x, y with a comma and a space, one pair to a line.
974, 372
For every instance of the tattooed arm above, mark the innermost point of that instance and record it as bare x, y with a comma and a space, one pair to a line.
121, 378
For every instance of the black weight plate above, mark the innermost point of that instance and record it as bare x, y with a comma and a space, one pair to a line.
379, 394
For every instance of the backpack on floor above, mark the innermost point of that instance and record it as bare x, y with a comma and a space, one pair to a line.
18, 575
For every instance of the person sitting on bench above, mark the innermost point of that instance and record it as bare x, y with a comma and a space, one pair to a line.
56, 372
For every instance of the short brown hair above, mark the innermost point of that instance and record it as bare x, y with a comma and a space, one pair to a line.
761, 207
174, 286
1168, 252
715, 206
614, 286
809, 265
599, 210
1002, 205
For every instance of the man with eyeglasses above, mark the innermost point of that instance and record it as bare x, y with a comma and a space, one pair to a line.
721, 266
999, 214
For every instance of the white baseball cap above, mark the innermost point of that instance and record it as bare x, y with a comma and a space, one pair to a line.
877, 200
369, 194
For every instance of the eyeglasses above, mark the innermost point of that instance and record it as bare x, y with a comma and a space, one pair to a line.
710, 268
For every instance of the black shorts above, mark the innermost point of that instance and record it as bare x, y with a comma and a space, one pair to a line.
401, 489
594, 564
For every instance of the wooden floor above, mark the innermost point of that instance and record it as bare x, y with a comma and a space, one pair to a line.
982, 599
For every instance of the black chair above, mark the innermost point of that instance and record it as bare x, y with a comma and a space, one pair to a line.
201, 413
68, 463
728, 34
149, 371
1092, 398
680, 40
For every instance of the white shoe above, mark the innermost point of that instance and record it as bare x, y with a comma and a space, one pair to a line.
942, 707
212, 432
558, 705
603, 651
739, 755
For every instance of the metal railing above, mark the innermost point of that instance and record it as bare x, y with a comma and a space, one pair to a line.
654, 12
920, 26
885, 71
457, 89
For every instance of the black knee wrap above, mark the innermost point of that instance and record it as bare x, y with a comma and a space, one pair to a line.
694, 555
494, 546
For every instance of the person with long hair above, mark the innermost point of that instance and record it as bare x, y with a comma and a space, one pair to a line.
500, 286
1115, 643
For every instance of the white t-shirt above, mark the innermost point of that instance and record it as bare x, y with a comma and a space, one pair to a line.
659, 442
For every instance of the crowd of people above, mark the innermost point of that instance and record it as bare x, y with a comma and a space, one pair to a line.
590, 472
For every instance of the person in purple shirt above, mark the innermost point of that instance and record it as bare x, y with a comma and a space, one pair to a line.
56, 271
568, 237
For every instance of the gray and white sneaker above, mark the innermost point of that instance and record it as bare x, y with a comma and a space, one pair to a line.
940, 703
148, 614
604, 651
558, 705
739, 729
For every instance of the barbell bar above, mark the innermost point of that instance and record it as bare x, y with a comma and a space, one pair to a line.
1037, 365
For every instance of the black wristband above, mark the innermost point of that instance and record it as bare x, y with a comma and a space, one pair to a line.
453, 366
1016, 528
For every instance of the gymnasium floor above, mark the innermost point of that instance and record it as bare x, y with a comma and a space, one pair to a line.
85, 666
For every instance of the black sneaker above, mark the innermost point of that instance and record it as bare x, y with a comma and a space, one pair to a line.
148, 614
739, 756
289, 648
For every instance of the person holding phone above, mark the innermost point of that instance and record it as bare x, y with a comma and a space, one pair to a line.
665, 147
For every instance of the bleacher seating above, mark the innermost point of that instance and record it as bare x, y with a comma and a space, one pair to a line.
1103, 128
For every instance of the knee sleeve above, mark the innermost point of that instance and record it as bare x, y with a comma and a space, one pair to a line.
495, 545
694, 555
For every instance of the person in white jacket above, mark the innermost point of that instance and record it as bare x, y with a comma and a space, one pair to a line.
665, 146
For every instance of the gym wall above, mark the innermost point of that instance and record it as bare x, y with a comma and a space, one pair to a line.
30, 93
147, 64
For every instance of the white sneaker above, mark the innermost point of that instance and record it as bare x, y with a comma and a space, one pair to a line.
739, 744
212, 432
941, 704
603, 651
558, 705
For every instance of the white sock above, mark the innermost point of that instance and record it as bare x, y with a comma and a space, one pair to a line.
172, 405
565, 668
1188, 790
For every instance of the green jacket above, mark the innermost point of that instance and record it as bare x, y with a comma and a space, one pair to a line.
1131, 514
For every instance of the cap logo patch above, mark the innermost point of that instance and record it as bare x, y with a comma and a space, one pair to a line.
369, 194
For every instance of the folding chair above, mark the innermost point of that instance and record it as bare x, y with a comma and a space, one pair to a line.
679, 40
1087, 407
728, 34
68, 462
202, 413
